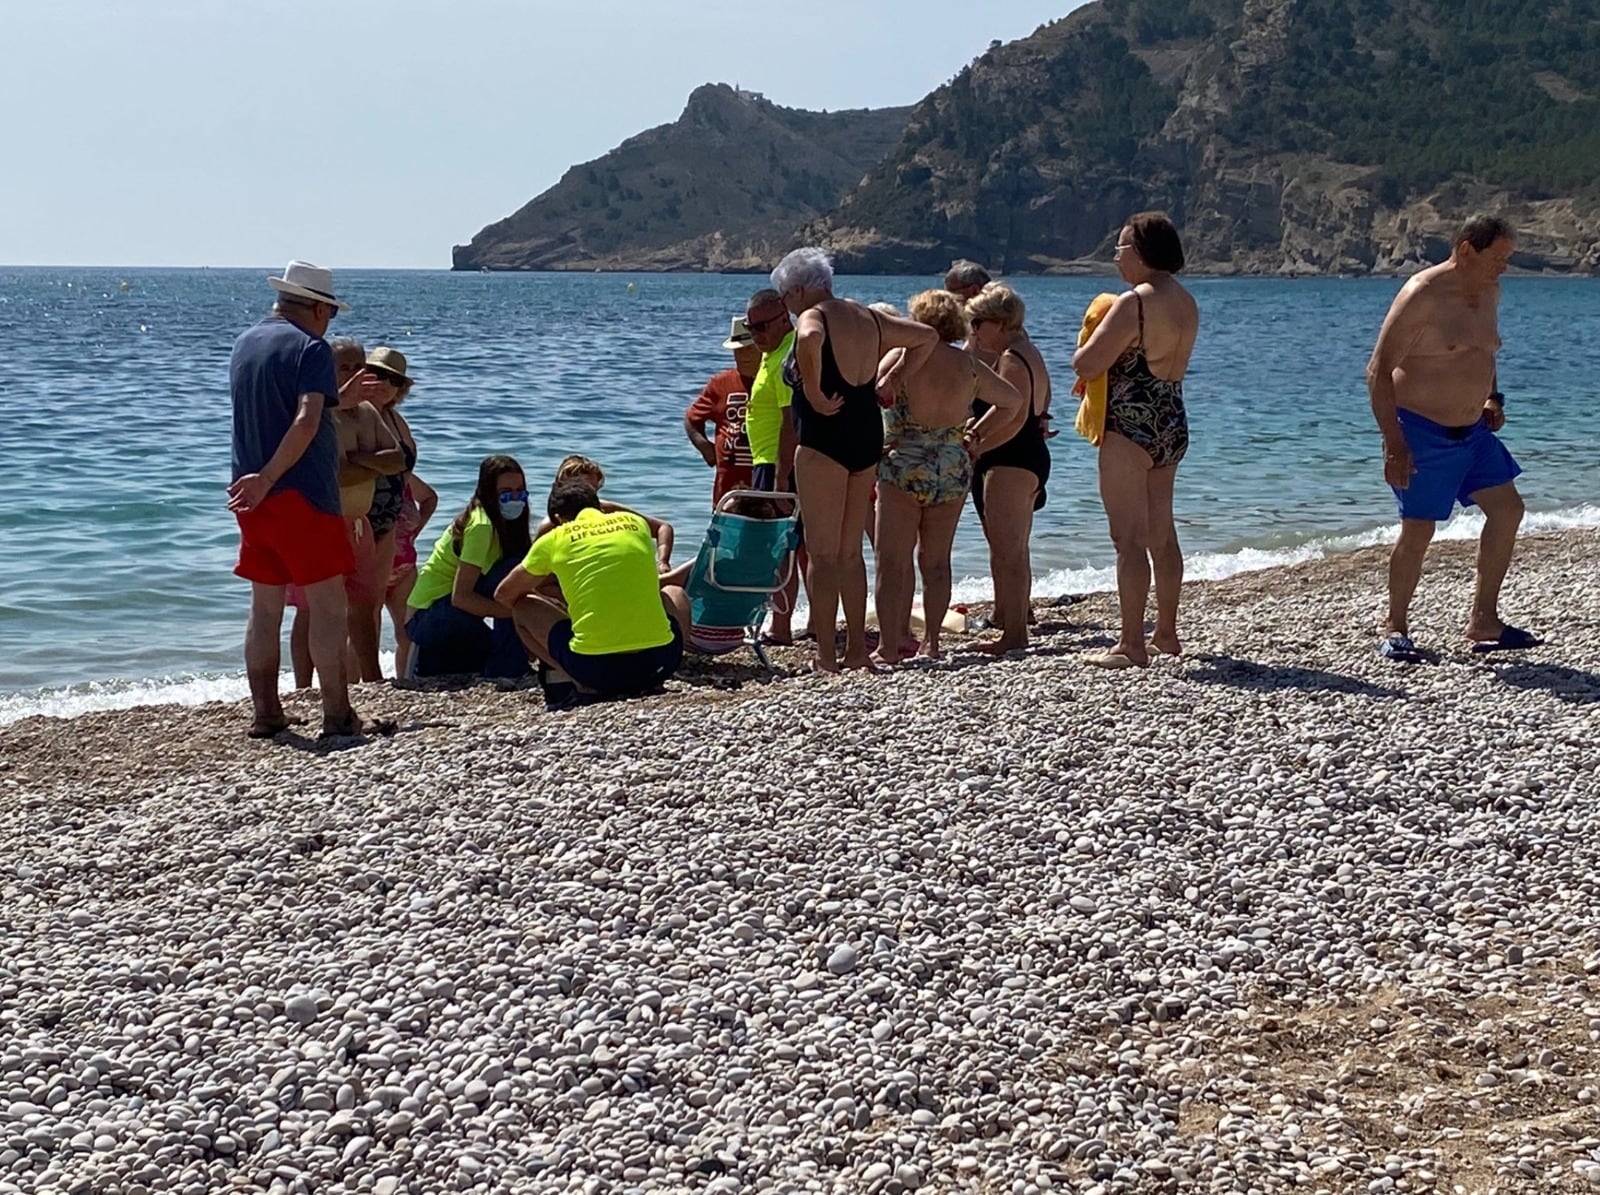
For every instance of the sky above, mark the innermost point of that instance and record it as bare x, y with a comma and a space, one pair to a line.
379, 133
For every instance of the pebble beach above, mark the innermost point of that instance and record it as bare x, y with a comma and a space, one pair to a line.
1275, 915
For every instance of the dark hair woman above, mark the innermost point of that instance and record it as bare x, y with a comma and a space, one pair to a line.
1142, 348
456, 626
387, 387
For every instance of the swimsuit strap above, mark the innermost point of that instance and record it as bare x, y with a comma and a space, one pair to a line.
827, 346
1032, 386
1139, 299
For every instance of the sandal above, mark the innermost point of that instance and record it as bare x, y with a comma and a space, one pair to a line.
353, 726
1400, 649
1511, 639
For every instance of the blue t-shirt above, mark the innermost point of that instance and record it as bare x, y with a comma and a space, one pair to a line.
273, 364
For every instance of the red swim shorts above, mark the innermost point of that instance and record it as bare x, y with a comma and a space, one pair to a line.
286, 539
362, 584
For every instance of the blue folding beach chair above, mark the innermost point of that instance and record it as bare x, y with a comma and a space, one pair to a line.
744, 561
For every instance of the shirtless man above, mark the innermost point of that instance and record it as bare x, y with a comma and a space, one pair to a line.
1432, 381
964, 279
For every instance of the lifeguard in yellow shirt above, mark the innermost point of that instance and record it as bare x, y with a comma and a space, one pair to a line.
617, 631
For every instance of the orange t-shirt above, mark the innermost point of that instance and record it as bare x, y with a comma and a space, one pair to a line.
722, 403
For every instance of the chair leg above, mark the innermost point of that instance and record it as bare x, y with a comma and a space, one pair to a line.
761, 650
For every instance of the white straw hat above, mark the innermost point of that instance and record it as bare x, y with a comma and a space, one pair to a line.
306, 281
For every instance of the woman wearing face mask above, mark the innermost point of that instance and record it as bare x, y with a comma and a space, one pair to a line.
455, 625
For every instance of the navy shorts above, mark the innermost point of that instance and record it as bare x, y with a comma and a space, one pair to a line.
620, 674
1452, 464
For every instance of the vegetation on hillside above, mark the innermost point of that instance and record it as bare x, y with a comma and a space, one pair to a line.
1435, 91
1150, 99
734, 168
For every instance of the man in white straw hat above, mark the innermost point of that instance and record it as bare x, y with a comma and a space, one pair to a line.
722, 404
285, 493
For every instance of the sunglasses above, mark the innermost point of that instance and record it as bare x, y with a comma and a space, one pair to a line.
759, 325
383, 377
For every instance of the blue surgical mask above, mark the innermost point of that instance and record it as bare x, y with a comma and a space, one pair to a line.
511, 508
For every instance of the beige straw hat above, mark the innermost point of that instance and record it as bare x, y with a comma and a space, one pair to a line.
739, 337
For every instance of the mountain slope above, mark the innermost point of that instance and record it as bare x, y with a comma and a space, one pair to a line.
723, 187
1313, 135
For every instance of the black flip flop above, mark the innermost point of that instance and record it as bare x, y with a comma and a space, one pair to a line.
1511, 639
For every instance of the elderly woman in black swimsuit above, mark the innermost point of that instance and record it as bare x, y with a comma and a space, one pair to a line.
1013, 461
833, 371
1142, 348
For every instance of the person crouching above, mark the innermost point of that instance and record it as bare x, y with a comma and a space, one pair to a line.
619, 632
455, 624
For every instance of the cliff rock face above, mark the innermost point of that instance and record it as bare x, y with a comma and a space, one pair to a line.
722, 188
1283, 135
1308, 136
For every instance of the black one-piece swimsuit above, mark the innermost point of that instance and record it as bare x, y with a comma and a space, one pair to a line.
853, 436
1025, 450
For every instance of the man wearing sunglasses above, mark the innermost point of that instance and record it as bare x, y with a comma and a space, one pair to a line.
769, 423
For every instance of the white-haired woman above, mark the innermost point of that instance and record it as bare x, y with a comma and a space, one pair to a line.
833, 371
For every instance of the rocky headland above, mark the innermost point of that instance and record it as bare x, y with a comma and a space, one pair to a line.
1285, 136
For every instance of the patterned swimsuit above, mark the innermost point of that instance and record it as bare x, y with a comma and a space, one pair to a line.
388, 493
1144, 408
929, 463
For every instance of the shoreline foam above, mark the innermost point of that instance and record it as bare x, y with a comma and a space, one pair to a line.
189, 689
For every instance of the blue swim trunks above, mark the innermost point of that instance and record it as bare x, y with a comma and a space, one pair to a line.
1452, 464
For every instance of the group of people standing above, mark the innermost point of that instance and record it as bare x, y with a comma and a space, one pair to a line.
879, 423
884, 423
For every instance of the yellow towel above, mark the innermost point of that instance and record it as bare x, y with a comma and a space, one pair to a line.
1091, 422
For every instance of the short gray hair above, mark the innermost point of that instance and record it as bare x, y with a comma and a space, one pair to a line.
810, 268
347, 344
964, 274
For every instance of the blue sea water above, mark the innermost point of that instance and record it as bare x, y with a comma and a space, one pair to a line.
116, 549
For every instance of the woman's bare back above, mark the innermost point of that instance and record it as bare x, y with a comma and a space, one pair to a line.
940, 393
1171, 326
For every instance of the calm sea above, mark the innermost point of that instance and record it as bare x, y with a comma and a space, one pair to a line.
116, 548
